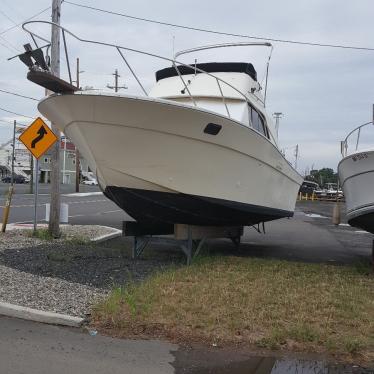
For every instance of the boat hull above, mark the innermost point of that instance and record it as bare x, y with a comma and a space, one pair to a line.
154, 159
356, 174
155, 206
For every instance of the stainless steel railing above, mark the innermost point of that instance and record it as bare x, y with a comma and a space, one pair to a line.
344, 145
174, 62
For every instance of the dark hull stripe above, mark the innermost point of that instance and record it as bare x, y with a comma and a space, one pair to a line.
155, 206
364, 222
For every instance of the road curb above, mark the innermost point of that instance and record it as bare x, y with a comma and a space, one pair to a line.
109, 236
16, 311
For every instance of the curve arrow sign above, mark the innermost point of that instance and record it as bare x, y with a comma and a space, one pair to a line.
42, 131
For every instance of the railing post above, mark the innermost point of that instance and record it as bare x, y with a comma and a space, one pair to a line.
223, 97
184, 83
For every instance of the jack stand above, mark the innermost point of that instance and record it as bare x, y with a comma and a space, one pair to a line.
190, 239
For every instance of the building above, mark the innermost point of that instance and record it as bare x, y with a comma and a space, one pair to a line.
67, 163
23, 162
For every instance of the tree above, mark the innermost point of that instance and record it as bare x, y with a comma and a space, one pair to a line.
323, 176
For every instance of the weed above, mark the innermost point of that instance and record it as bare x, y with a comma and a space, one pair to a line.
352, 345
42, 234
313, 305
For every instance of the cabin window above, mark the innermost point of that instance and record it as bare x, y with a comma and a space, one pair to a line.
255, 119
264, 129
257, 122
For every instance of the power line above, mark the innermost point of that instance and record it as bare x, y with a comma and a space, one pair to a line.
11, 122
17, 114
16, 94
219, 32
7, 17
9, 43
7, 47
28, 19
14, 23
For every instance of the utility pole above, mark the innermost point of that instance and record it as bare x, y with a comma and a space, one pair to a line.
277, 116
54, 215
77, 174
296, 155
116, 87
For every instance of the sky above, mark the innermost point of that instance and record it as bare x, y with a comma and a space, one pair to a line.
322, 92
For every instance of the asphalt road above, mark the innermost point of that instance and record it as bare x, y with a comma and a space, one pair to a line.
93, 209
44, 188
308, 236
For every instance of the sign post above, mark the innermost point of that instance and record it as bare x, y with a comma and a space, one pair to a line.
37, 138
36, 181
11, 187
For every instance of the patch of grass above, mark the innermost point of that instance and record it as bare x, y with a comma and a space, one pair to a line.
78, 240
269, 303
352, 345
42, 234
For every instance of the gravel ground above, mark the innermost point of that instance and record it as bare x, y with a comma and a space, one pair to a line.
68, 276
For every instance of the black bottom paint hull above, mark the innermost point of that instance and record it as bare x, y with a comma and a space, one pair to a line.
170, 208
364, 222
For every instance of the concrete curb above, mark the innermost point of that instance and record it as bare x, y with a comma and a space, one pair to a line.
16, 311
29, 226
109, 236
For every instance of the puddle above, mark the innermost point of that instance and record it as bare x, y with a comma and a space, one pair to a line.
268, 365
313, 215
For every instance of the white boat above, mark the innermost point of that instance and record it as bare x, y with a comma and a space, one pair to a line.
356, 175
199, 148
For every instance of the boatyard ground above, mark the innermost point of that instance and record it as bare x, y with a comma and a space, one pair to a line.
226, 300
306, 285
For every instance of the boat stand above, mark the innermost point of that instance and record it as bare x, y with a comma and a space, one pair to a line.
189, 238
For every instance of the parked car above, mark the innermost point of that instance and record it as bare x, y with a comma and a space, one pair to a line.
17, 179
90, 182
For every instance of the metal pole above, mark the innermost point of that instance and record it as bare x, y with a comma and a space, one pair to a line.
54, 216
77, 175
64, 162
31, 174
78, 72
36, 177
11, 187
13, 152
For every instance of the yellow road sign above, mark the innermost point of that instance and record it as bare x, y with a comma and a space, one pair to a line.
38, 138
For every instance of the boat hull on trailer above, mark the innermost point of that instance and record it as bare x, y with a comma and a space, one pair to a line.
159, 160
356, 174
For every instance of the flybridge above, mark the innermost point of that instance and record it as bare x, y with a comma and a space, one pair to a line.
40, 73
